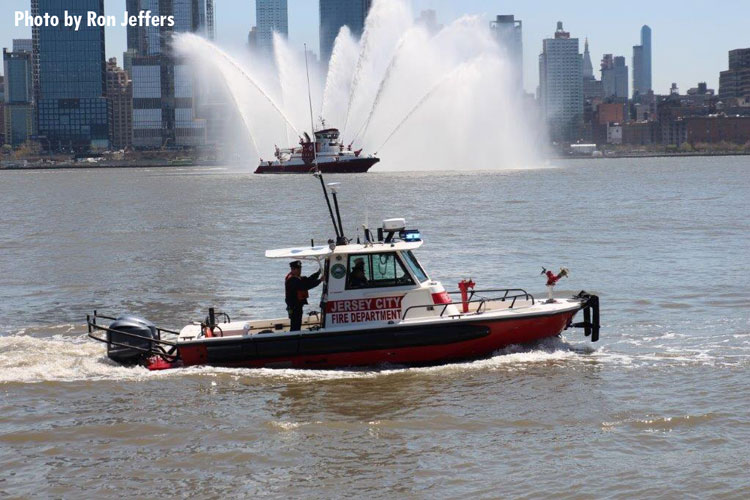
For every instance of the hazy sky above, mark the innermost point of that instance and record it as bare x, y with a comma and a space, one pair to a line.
690, 38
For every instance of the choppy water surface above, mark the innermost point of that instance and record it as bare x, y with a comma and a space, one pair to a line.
658, 408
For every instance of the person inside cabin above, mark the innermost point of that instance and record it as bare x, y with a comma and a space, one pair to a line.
357, 277
297, 290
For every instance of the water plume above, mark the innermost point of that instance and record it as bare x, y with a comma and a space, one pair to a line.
422, 100
340, 74
427, 96
385, 23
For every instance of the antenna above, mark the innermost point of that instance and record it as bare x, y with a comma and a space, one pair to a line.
316, 170
334, 188
328, 202
312, 120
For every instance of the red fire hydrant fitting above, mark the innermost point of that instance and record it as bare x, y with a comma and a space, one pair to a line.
464, 286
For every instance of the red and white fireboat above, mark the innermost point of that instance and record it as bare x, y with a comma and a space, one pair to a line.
327, 153
394, 313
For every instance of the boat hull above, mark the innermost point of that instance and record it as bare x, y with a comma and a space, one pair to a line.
422, 344
353, 166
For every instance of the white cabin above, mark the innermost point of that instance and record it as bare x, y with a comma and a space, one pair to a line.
394, 281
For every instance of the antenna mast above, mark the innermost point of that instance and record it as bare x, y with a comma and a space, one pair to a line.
316, 170
312, 120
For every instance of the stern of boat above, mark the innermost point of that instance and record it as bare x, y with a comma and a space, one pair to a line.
590, 308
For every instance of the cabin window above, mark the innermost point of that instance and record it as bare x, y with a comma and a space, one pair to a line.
413, 264
374, 270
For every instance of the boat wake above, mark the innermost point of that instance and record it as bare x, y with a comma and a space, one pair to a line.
62, 354
74, 357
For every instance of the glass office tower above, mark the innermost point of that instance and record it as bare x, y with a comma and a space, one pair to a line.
271, 17
642, 64
18, 119
163, 91
336, 13
71, 104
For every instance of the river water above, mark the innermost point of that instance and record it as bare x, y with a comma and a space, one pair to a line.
658, 408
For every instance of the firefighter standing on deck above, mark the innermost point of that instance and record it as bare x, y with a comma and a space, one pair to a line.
297, 287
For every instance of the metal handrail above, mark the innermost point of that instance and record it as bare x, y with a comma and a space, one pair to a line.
482, 302
158, 330
521, 291
91, 320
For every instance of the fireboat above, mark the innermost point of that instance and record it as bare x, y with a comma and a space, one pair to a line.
394, 314
326, 154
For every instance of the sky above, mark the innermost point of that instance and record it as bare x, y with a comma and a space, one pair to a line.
690, 38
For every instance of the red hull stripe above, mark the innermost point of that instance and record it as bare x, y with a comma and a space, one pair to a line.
356, 166
494, 335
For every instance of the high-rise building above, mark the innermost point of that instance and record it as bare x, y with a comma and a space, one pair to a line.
210, 20
270, 17
23, 45
163, 85
614, 77
18, 108
508, 32
735, 82
26, 45
593, 96
561, 85
592, 88
71, 104
134, 40
642, 64
120, 98
337, 13
252, 38
588, 68
2, 110
127, 61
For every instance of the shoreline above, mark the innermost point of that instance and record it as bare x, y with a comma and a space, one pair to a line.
90, 166
651, 155
130, 165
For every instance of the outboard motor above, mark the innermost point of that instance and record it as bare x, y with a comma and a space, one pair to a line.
134, 341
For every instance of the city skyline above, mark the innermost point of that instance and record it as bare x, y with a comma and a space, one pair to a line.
674, 50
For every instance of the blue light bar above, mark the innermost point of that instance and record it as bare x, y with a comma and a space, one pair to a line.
409, 235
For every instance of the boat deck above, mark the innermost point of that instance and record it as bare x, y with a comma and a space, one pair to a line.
312, 322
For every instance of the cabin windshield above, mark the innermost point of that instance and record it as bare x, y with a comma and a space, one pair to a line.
413, 264
331, 136
375, 270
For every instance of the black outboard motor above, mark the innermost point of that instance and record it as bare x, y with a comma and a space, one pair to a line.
134, 341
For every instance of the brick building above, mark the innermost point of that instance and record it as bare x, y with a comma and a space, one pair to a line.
611, 112
120, 106
640, 133
715, 129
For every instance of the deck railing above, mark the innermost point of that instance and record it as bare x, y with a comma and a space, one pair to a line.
509, 294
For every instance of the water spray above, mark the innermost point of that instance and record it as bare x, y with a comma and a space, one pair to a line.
333, 65
364, 52
381, 87
425, 98
244, 119
372, 83
236, 65
316, 170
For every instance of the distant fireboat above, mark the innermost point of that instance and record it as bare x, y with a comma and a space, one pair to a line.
327, 152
